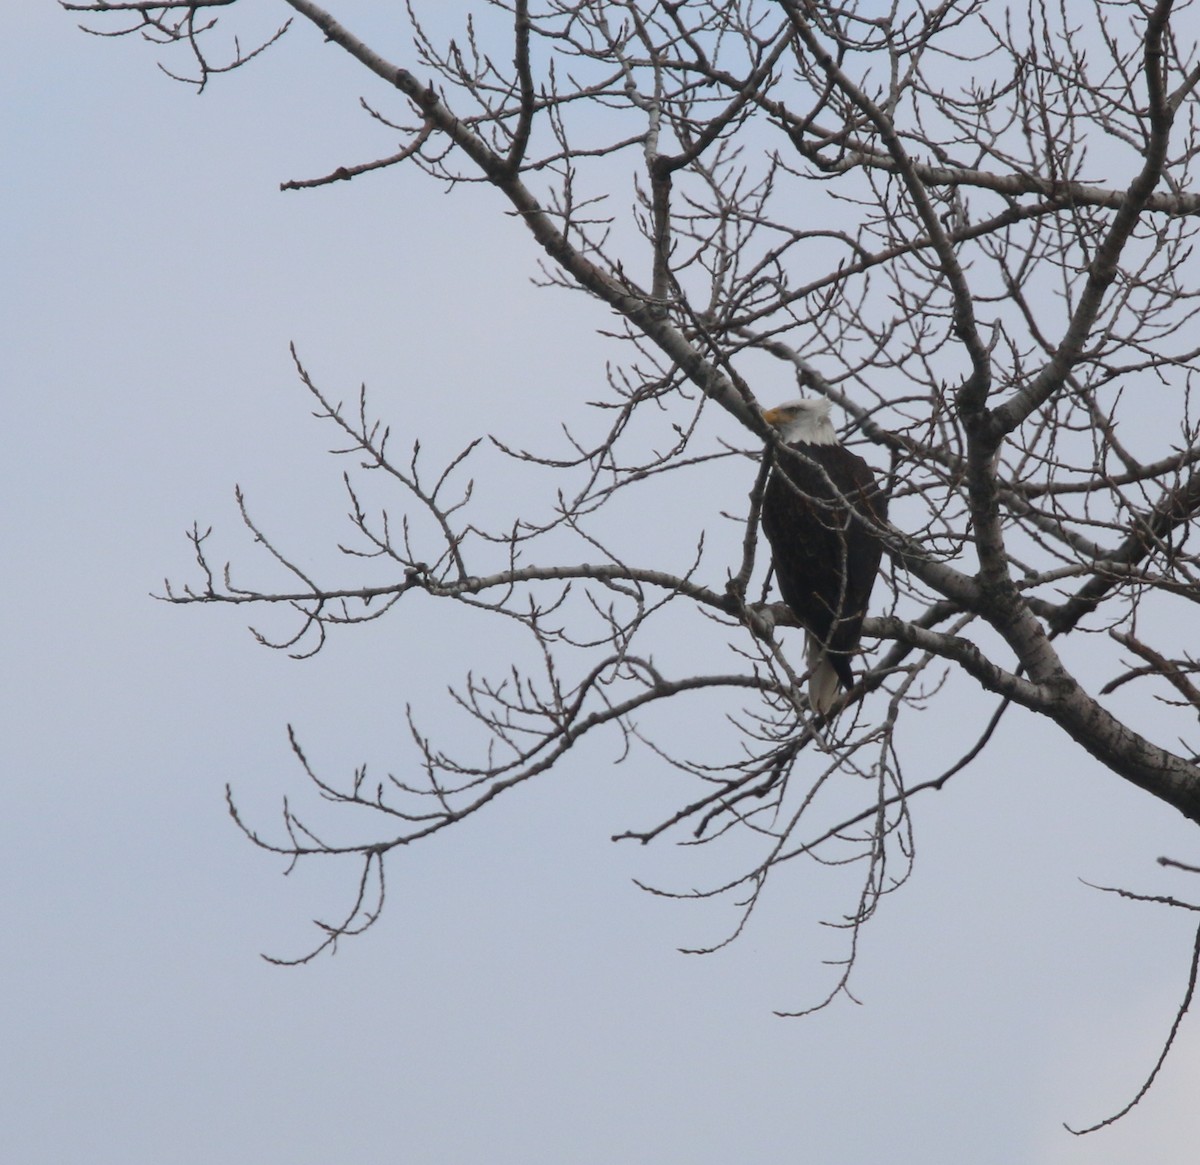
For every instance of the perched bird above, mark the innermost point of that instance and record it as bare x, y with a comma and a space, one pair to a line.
817, 512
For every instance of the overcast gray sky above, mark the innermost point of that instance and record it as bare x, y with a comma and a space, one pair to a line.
521, 1000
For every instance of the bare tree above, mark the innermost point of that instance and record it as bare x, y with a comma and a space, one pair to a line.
968, 225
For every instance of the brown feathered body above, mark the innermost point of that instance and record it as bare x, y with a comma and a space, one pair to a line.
817, 513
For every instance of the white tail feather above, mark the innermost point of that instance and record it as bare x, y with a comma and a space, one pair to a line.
824, 687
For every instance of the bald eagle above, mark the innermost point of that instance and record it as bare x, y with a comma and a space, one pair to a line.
826, 556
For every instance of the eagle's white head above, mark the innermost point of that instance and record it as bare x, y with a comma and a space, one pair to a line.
803, 420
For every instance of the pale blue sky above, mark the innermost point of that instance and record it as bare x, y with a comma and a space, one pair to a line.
520, 1001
